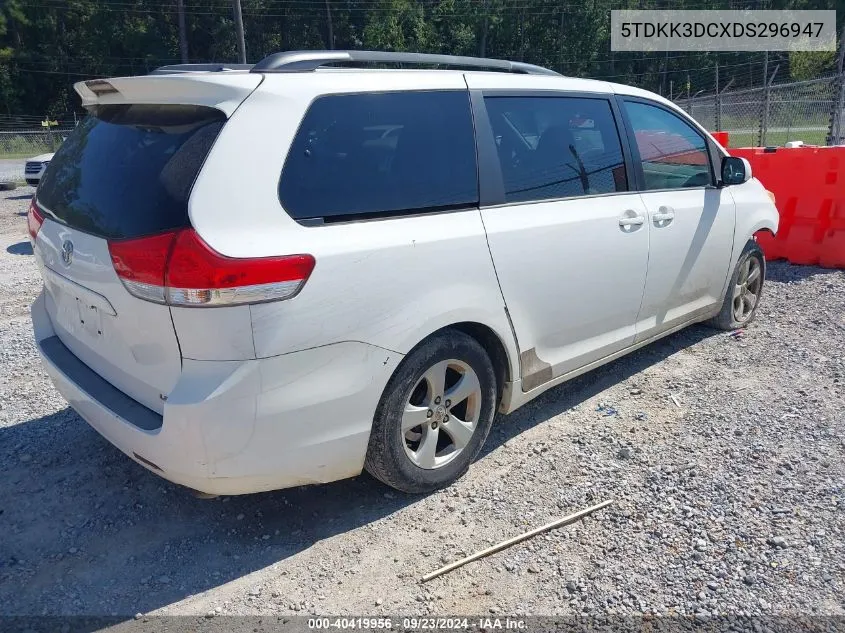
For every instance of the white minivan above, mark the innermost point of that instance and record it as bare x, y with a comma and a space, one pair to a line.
261, 277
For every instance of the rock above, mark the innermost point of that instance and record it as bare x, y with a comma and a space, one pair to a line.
624, 453
777, 541
749, 579
533, 569
138, 616
379, 602
255, 591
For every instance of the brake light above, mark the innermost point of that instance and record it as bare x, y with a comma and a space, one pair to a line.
34, 220
179, 268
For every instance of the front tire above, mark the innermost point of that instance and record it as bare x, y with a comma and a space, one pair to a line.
745, 289
434, 415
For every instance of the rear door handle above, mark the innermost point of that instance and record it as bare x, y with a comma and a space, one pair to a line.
663, 216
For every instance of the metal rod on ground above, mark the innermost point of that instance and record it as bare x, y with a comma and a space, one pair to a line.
572, 518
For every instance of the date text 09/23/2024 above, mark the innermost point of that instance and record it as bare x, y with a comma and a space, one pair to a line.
418, 623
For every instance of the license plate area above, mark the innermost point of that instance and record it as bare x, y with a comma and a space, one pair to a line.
89, 317
78, 309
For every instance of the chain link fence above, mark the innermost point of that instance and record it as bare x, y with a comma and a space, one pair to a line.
23, 137
26, 143
766, 116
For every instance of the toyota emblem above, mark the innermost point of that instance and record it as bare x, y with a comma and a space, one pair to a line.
67, 252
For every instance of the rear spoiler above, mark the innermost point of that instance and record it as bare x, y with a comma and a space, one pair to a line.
224, 91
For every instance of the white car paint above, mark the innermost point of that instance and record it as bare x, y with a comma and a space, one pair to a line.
270, 395
689, 256
130, 341
571, 303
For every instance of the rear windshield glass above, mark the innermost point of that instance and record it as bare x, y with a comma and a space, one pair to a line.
129, 170
375, 154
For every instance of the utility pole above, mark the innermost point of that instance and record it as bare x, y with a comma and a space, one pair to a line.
331, 27
764, 120
836, 131
717, 102
485, 26
183, 32
761, 133
239, 29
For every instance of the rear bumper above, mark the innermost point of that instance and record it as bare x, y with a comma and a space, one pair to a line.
236, 427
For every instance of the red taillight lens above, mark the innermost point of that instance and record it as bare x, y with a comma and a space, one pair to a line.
141, 264
178, 268
34, 220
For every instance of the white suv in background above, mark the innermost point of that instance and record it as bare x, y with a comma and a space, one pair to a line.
34, 168
279, 275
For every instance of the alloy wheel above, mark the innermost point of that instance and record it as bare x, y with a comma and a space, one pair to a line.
441, 414
747, 289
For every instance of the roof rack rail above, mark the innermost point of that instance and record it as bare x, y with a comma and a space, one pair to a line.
306, 61
176, 69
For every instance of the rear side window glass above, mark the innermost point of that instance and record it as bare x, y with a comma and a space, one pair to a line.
372, 154
673, 154
556, 147
128, 170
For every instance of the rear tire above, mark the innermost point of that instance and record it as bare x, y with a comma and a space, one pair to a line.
421, 439
742, 297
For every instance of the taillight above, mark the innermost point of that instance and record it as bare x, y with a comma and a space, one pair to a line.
178, 268
34, 220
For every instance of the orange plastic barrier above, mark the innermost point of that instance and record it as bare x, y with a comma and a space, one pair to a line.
809, 188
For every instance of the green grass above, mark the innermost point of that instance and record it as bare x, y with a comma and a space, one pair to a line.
776, 139
22, 154
23, 145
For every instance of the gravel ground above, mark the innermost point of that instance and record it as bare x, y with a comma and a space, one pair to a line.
724, 455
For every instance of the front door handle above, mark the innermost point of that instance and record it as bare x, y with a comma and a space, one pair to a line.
627, 222
664, 216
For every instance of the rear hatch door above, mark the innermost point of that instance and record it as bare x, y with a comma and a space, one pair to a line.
126, 172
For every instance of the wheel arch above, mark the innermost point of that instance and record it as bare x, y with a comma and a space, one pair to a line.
495, 348
503, 357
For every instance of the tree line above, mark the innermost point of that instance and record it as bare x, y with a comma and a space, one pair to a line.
47, 45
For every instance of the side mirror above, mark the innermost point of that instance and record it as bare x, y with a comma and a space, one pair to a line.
735, 171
